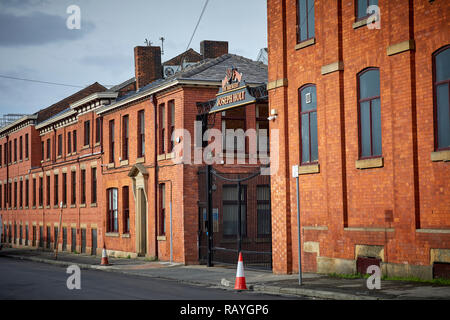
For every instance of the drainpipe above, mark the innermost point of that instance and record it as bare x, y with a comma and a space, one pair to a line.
170, 215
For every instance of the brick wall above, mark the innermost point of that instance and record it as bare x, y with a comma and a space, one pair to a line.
403, 196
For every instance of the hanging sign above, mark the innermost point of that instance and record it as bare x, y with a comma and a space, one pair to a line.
233, 92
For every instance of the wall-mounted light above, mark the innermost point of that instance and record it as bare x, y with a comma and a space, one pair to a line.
273, 114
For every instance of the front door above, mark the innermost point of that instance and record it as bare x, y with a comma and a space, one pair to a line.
142, 209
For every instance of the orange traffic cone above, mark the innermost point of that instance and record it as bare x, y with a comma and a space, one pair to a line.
240, 278
104, 257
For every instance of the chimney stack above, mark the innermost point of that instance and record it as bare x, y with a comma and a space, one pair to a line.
147, 65
213, 49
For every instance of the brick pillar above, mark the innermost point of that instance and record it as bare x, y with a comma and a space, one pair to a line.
147, 63
280, 180
213, 49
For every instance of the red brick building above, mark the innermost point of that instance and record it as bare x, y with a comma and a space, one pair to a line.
103, 160
363, 110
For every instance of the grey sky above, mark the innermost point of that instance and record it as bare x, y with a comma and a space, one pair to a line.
36, 44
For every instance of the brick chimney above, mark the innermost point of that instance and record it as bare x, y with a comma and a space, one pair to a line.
147, 65
213, 49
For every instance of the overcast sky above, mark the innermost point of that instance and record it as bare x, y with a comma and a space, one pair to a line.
35, 42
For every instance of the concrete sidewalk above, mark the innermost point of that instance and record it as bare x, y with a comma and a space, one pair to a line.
314, 285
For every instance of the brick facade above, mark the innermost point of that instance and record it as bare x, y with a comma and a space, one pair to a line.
401, 206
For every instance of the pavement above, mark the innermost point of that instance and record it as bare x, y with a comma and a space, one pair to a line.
314, 285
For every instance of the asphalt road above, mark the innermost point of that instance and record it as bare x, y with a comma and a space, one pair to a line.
29, 280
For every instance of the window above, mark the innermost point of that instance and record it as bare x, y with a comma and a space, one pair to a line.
126, 209
171, 124
10, 151
361, 8
87, 133
41, 191
74, 188
10, 194
55, 190
15, 150
1, 203
162, 210
230, 210
98, 129
34, 192
69, 142
26, 146
262, 128
141, 134
112, 223
263, 210
83, 186
233, 120
162, 129
369, 108
94, 185
74, 141
60, 144
27, 195
305, 20
1, 156
21, 194
64, 189
20, 148
308, 124
15, 194
441, 64
48, 149
6, 152
42, 151
48, 191
111, 141
125, 138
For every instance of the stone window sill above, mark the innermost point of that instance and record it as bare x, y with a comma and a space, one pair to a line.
93, 205
308, 169
360, 23
440, 156
112, 234
110, 165
140, 160
73, 205
369, 163
161, 238
124, 162
305, 44
85, 147
97, 144
83, 205
126, 235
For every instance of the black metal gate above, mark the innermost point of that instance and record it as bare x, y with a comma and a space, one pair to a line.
64, 241
94, 242
83, 240
238, 219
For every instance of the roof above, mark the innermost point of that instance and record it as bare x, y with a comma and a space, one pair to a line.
56, 108
210, 71
188, 56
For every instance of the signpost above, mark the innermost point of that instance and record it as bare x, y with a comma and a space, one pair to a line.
295, 175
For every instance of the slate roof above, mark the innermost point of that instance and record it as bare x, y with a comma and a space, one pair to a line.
61, 106
211, 70
189, 56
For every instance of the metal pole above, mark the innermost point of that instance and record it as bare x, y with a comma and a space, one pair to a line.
208, 213
171, 238
299, 240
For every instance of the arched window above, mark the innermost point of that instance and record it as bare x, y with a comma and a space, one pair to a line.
308, 124
441, 89
369, 113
